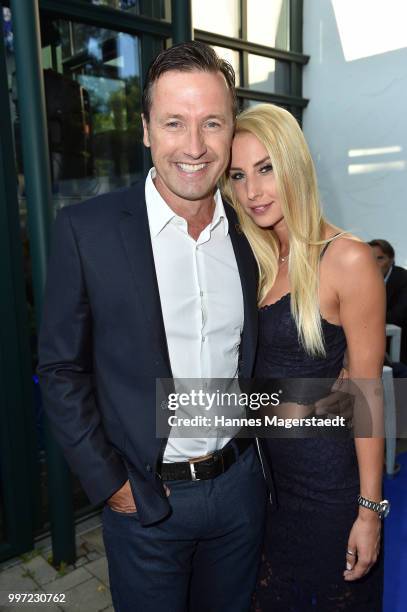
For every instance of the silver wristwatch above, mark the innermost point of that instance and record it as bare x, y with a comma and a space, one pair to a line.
382, 508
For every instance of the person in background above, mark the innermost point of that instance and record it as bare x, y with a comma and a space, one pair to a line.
395, 279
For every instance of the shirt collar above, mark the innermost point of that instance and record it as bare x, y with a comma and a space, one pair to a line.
386, 278
219, 214
160, 214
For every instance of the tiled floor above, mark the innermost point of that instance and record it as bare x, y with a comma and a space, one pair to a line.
85, 584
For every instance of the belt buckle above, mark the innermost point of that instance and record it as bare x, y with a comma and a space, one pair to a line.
192, 462
193, 472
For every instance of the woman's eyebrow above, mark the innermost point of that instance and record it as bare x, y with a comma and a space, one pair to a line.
267, 158
261, 161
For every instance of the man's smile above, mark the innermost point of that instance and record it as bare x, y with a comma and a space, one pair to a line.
191, 168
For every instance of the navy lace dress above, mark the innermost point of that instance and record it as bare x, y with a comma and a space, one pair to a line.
317, 483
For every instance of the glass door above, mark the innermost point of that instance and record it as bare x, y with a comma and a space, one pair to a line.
92, 88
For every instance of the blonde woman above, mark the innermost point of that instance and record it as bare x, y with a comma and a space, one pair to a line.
320, 294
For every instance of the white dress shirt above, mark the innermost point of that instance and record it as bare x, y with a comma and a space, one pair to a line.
390, 270
201, 301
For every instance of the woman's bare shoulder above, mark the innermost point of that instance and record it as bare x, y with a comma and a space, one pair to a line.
353, 272
348, 253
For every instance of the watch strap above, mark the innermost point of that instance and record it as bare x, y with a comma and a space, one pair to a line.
377, 507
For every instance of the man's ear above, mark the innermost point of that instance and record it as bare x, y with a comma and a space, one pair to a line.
146, 137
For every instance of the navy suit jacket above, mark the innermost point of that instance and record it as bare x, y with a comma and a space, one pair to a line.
396, 292
102, 344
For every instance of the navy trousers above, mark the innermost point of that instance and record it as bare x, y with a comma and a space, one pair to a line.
203, 558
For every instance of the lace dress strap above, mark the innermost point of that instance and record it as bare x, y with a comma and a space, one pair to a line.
328, 243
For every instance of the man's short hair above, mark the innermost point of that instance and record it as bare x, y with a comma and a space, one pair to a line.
187, 57
384, 246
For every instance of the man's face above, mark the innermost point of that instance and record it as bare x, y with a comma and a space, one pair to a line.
190, 133
383, 261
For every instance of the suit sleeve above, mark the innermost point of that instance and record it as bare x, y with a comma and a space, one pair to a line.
65, 370
397, 308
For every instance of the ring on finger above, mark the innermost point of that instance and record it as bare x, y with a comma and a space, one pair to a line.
349, 552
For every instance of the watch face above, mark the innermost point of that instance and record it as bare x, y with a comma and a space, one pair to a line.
384, 508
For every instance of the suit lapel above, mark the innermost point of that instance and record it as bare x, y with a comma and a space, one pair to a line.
390, 287
135, 234
248, 278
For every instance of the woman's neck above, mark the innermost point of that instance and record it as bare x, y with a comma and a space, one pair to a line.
281, 233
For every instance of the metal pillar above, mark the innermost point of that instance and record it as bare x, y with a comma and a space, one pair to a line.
31, 102
296, 17
18, 482
182, 30
296, 28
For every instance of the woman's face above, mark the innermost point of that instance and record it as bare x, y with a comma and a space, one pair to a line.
253, 182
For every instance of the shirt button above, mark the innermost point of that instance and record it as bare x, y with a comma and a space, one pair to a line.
203, 338
148, 467
201, 293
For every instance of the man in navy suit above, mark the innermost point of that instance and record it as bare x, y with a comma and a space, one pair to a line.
395, 279
156, 282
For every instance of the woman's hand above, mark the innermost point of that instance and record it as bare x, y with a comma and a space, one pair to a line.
363, 545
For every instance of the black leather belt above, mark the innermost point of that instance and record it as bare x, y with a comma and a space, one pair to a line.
210, 466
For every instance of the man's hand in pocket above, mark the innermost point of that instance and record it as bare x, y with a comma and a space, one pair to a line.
122, 500
339, 402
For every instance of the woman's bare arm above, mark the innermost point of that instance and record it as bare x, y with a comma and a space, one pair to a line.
361, 294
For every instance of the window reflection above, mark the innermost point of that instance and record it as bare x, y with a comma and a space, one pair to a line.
159, 9
93, 105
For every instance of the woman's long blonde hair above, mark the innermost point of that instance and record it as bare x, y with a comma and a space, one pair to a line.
296, 183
